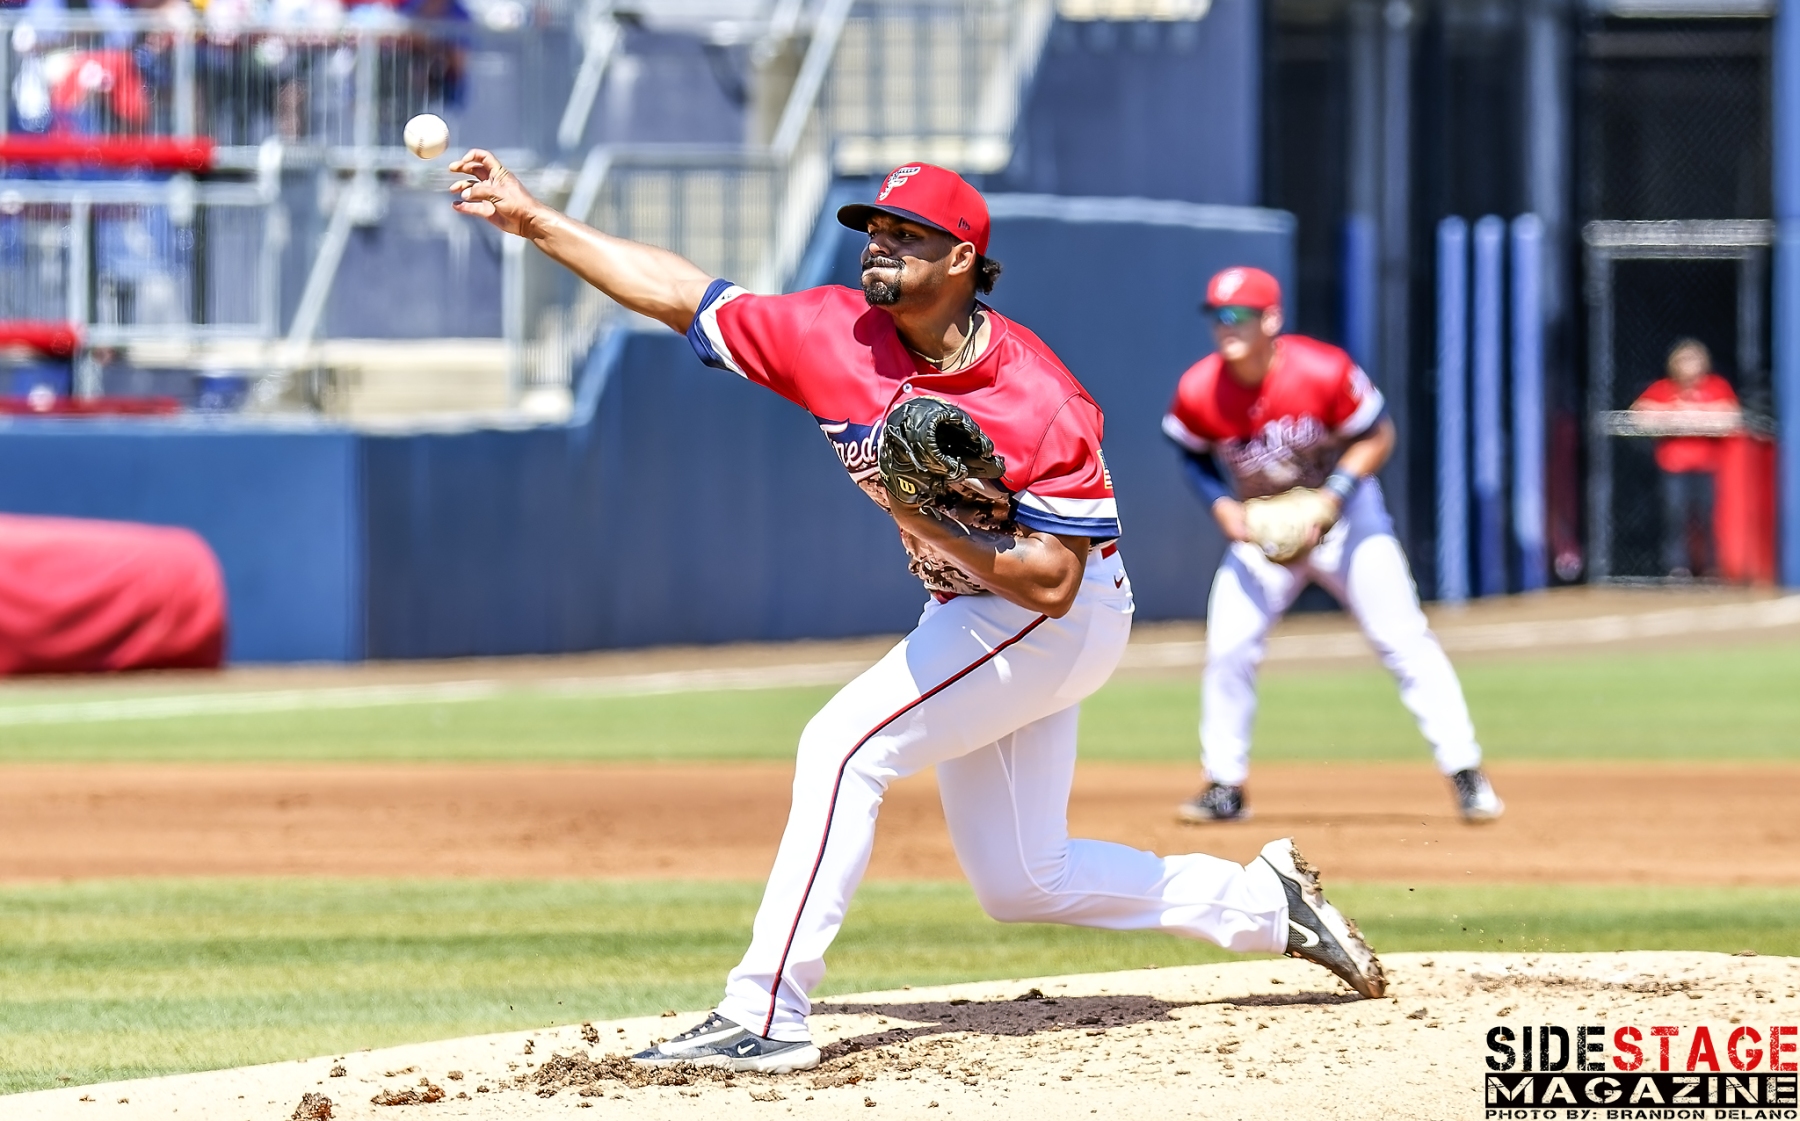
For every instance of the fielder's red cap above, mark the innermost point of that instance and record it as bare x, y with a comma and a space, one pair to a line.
933, 196
1243, 287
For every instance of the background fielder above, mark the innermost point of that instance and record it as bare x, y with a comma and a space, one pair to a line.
1282, 436
1030, 608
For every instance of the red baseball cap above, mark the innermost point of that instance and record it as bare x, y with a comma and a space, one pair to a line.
933, 196
1243, 287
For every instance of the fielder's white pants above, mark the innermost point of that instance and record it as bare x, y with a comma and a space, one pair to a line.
988, 693
1361, 564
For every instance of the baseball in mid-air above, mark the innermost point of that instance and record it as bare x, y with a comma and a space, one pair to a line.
427, 136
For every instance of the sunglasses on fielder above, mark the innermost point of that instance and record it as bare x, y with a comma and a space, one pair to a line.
1233, 316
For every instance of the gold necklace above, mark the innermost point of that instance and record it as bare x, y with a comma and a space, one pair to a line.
953, 361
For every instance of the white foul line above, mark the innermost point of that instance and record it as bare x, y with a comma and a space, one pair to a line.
1759, 615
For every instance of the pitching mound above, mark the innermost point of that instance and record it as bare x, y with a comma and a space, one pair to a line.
1251, 1040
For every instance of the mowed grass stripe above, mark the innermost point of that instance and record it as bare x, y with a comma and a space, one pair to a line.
1700, 704
115, 979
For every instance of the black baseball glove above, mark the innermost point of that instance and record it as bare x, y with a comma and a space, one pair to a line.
929, 444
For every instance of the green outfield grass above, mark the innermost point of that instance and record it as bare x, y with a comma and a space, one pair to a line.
114, 979
1739, 704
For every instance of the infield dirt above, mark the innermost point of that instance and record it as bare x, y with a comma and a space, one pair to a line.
1583, 823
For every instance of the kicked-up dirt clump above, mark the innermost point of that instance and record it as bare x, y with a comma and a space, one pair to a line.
423, 1094
312, 1107
588, 1076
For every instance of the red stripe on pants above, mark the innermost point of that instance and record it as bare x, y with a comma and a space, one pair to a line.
831, 810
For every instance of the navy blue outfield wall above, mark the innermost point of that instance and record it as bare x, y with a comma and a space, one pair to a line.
679, 505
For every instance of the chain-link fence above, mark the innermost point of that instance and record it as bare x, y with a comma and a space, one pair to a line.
1652, 285
1674, 119
1673, 147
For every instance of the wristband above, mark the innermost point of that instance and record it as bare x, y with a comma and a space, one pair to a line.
1342, 484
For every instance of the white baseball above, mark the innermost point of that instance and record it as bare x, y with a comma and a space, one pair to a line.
427, 136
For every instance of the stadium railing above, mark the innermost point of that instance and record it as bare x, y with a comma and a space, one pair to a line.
880, 81
871, 82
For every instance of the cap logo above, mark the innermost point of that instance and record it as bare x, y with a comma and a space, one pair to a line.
962, 223
1229, 282
896, 178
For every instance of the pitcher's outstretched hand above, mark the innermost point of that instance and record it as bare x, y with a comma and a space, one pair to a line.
494, 193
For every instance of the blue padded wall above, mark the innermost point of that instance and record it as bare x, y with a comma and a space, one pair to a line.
683, 505
732, 515
280, 508
1168, 110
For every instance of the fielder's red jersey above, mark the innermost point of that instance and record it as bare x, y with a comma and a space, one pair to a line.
1287, 432
842, 361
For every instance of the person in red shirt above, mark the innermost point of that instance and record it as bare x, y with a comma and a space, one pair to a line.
1688, 462
1029, 608
1267, 413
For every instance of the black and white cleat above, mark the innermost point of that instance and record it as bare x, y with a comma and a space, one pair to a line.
717, 1042
1317, 931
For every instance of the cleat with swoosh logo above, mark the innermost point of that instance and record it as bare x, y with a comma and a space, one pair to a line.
1317, 931
718, 1042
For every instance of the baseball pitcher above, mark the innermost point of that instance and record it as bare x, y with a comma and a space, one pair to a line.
1282, 435
985, 451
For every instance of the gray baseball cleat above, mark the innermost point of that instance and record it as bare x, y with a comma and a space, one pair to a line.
1317, 931
717, 1042
1475, 797
1217, 802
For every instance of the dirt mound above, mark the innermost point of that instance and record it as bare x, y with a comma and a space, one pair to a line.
1246, 1040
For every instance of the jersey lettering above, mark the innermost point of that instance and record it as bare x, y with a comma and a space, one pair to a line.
1286, 432
857, 445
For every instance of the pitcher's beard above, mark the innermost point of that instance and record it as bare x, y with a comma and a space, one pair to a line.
878, 292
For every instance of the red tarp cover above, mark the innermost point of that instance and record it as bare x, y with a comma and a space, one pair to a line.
88, 596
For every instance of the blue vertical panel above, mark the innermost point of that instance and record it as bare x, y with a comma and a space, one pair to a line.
1490, 516
1787, 284
1453, 410
1361, 284
1528, 401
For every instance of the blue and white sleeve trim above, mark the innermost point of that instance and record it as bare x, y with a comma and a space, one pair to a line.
703, 333
1366, 414
1071, 517
1184, 436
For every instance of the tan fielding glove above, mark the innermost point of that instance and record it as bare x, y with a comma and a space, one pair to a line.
1284, 526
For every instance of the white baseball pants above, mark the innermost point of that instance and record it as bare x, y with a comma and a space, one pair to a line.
988, 693
1361, 564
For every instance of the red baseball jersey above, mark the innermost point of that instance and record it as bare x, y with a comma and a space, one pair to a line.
1287, 432
842, 361
1688, 453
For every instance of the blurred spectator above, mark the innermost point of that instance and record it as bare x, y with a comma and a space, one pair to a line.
1688, 463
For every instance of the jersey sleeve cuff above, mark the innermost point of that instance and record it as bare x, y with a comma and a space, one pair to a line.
704, 333
1372, 409
1183, 435
1071, 517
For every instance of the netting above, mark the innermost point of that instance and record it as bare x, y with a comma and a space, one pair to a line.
1656, 303
1674, 119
